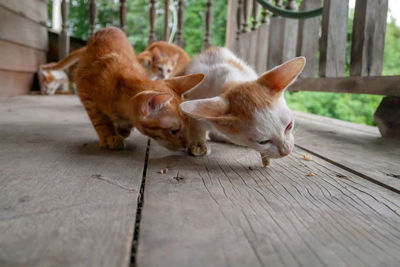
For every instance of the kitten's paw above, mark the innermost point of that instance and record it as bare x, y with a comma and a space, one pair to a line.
199, 148
114, 142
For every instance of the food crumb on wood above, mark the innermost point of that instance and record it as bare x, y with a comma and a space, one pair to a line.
310, 174
306, 157
251, 168
265, 159
163, 171
96, 176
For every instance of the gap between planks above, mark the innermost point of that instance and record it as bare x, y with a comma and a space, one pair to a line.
140, 202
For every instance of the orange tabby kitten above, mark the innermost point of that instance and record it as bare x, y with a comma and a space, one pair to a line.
163, 60
118, 96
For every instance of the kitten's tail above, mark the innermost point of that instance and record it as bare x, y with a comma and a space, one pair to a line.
66, 62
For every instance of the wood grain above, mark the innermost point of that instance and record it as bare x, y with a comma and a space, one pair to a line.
378, 85
358, 147
333, 40
63, 201
15, 83
20, 30
35, 10
275, 42
308, 38
20, 58
368, 41
226, 210
262, 48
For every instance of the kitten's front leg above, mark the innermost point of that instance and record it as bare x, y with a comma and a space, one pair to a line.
197, 138
108, 136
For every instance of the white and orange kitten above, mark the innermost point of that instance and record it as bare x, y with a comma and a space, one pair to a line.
238, 106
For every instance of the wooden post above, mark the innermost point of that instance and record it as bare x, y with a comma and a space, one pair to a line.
245, 16
262, 42
275, 40
333, 39
387, 117
368, 42
207, 41
122, 14
63, 44
290, 30
153, 14
179, 35
238, 21
307, 42
56, 16
166, 19
255, 16
92, 17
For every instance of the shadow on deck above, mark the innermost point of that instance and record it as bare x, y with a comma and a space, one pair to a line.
63, 201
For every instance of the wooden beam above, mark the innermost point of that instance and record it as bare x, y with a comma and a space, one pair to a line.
92, 17
208, 22
15, 83
379, 85
289, 33
333, 39
368, 42
308, 38
152, 17
122, 14
262, 43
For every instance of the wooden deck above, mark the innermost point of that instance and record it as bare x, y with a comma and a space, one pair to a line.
65, 202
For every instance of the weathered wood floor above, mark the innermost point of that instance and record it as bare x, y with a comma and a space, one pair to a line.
65, 202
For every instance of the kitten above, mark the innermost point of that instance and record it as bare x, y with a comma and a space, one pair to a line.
163, 60
52, 77
239, 106
51, 81
118, 96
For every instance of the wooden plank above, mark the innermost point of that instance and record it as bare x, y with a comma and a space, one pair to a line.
231, 25
35, 10
20, 30
20, 58
308, 38
275, 42
354, 146
262, 48
252, 52
15, 83
289, 43
333, 40
244, 46
368, 42
220, 212
380, 85
63, 201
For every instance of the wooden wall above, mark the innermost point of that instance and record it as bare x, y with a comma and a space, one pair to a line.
23, 44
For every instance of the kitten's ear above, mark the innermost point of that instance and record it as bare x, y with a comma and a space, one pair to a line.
208, 108
214, 110
183, 84
144, 58
150, 103
280, 77
156, 55
174, 59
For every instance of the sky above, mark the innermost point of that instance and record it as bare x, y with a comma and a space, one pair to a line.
394, 9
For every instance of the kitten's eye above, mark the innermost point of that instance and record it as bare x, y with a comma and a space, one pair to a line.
160, 69
168, 71
289, 127
265, 142
173, 131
